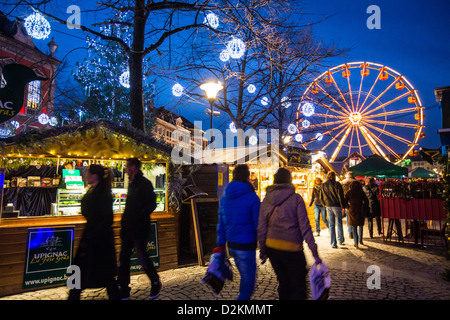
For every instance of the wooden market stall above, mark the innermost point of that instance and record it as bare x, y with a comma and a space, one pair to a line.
42, 197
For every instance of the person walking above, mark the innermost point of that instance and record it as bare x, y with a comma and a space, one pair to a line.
332, 196
349, 178
238, 225
372, 193
96, 255
282, 228
319, 208
357, 199
135, 231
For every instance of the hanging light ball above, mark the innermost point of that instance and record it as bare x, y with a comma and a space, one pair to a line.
43, 118
298, 137
53, 121
211, 20
124, 79
224, 55
265, 101
233, 127
285, 102
177, 90
15, 124
319, 136
292, 128
251, 88
37, 26
253, 140
305, 123
236, 48
308, 109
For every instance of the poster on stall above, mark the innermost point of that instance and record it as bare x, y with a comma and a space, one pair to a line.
152, 250
49, 254
298, 157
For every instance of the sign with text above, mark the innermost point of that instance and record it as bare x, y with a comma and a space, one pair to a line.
49, 254
298, 157
152, 250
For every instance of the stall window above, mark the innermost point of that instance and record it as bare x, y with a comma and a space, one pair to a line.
34, 96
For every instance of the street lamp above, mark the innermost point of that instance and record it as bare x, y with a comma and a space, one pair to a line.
211, 89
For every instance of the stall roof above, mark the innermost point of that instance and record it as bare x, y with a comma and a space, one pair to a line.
377, 166
422, 173
91, 139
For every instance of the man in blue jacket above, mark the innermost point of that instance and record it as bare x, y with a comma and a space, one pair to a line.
238, 226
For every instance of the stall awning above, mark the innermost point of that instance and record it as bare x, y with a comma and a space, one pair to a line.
422, 173
98, 139
377, 166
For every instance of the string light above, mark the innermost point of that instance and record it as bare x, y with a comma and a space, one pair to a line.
37, 26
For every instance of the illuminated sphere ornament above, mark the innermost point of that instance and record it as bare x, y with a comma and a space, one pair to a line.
236, 48
298, 137
53, 121
37, 26
308, 109
319, 136
177, 90
15, 124
305, 123
253, 140
124, 79
292, 128
265, 101
233, 127
251, 88
43, 118
211, 20
285, 102
224, 55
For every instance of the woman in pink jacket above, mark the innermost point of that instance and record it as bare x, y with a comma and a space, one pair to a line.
282, 228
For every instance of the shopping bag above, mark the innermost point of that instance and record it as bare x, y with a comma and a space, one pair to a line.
320, 281
218, 271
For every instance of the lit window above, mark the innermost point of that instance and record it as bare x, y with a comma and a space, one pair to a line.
34, 95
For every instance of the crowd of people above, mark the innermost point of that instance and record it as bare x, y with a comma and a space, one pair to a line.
278, 226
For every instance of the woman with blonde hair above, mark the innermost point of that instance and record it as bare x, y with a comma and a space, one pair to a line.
319, 208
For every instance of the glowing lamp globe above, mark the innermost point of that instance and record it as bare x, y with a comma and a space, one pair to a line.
177, 90
211, 89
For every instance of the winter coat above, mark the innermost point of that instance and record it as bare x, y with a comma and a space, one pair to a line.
238, 216
356, 199
372, 194
346, 184
96, 255
315, 197
141, 201
290, 224
332, 194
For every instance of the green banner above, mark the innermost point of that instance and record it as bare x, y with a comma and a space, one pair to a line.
49, 254
152, 250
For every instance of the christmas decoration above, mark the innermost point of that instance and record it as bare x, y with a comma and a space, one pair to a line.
37, 26
236, 48
177, 90
292, 128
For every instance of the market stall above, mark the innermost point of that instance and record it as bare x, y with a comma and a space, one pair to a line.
44, 184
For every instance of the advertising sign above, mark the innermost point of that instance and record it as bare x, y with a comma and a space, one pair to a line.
298, 157
49, 254
152, 250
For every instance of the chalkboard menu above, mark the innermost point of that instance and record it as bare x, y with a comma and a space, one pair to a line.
205, 213
298, 157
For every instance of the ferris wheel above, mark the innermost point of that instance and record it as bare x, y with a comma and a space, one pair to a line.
362, 107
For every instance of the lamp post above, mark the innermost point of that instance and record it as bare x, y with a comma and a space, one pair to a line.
211, 89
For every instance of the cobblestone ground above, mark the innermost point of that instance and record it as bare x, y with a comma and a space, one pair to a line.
407, 273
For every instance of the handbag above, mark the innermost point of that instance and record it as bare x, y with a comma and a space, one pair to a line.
320, 281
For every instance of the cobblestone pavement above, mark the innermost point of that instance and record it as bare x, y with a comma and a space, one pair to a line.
407, 273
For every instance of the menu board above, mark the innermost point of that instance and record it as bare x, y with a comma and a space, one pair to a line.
152, 250
49, 254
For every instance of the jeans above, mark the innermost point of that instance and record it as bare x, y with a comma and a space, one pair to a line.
317, 211
246, 264
290, 268
357, 234
335, 213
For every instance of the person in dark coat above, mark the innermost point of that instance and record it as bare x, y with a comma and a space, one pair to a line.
135, 231
356, 199
319, 208
372, 193
96, 255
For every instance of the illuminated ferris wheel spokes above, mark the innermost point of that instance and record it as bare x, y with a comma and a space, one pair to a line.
376, 119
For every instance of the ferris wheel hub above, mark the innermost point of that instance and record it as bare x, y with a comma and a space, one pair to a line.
355, 118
